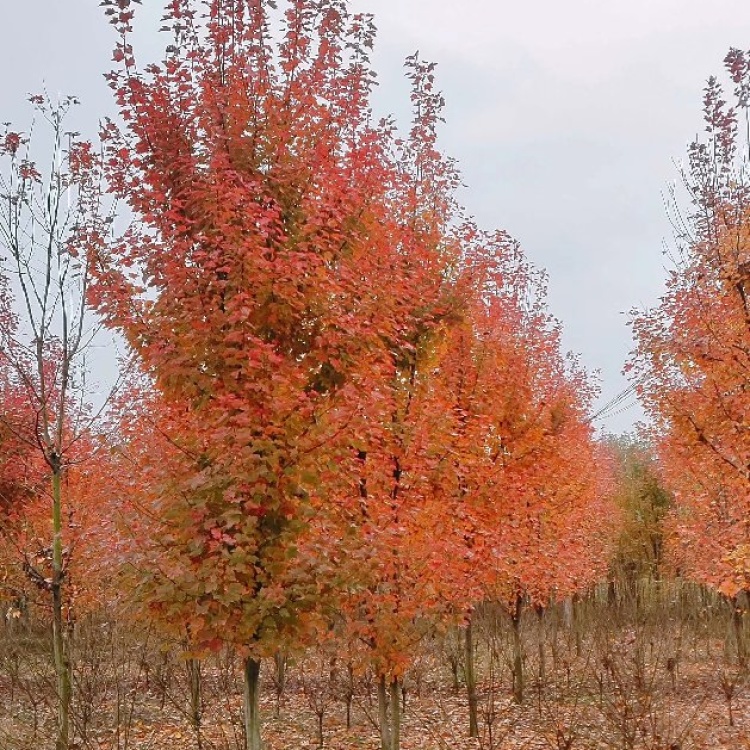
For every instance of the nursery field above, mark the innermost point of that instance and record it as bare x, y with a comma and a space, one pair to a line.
292, 450
660, 676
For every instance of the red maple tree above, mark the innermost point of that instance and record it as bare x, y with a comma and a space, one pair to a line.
694, 351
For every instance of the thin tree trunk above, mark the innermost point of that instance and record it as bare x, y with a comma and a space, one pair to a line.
612, 593
576, 614
194, 676
280, 681
385, 728
252, 704
395, 714
349, 694
453, 660
471, 681
540, 645
62, 662
321, 738
517, 652
555, 633
739, 634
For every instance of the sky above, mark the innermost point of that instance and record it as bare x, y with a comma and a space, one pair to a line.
569, 121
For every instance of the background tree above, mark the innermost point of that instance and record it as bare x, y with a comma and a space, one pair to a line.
525, 484
644, 503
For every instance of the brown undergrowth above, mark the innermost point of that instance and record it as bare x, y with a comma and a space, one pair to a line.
643, 680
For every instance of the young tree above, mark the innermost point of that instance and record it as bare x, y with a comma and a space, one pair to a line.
49, 215
531, 488
693, 350
270, 224
392, 449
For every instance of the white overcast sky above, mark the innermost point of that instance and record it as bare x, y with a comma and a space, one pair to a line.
567, 118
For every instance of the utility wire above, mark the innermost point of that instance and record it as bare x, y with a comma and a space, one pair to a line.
614, 403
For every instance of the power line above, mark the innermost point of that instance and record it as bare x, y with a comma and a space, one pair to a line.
609, 408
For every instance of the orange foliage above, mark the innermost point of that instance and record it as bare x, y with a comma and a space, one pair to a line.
693, 355
352, 397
